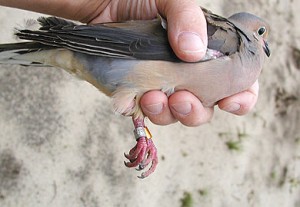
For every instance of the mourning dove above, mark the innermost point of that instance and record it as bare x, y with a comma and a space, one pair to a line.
126, 59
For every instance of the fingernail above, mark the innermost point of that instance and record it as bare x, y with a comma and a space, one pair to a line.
190, 42
182, 108
154, 108
232, 107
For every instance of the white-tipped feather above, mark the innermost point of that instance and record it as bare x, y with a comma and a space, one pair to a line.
29, 24
8, 54
13, 57
16, 62
163, 23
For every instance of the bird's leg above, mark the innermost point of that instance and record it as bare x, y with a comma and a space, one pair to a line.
144, 152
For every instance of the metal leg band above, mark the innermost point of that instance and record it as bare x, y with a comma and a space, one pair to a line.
142, 132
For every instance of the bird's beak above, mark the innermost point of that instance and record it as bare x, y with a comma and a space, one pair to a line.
267, 49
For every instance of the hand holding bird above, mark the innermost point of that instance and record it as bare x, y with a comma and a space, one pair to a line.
126, 60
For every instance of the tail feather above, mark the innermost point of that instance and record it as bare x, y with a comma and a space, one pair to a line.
11, 53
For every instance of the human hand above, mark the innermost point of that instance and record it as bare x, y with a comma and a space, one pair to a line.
185, 20
188, 38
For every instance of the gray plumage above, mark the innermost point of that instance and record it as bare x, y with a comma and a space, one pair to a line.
129, 58
125, 60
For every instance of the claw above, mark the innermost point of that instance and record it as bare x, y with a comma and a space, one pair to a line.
151, 154
144, 152
151, 169
147, 154
128, 157
138, 154
139, 168
137, 149
152, 157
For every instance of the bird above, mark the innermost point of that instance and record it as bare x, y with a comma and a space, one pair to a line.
126, 59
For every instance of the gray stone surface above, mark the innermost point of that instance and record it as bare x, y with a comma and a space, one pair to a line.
61, 144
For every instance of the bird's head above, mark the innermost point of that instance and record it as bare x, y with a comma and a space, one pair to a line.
259, 28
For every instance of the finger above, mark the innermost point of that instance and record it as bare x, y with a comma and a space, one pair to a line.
186, 28
188, 109
155, 106
241, 103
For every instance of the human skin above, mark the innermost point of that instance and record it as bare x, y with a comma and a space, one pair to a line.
187, 36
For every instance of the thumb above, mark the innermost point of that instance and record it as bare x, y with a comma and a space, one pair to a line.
187, 30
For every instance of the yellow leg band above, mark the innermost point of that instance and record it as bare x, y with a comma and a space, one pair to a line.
148, 133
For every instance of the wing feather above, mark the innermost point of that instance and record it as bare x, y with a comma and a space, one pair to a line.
144, 39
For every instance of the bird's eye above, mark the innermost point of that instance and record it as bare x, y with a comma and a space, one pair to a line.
261, 31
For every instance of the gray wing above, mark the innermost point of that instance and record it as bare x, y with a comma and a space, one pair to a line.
144, 39
224, 35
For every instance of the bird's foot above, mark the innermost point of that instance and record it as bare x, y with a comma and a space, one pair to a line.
144, 152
